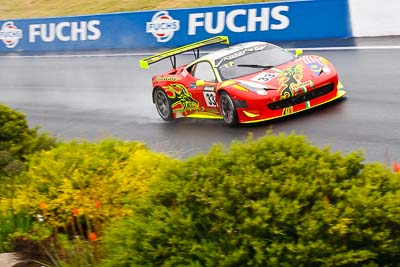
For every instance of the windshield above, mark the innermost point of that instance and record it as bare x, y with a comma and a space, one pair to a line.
251, 60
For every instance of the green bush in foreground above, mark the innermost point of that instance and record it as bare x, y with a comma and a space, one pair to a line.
17, 142
17, 138
77, 189
96, 180
277, 201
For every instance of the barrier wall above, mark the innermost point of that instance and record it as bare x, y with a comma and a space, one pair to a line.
375, 18
279, 21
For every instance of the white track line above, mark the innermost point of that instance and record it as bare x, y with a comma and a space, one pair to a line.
385, 47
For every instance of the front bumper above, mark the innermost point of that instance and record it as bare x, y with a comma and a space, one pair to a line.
258, 111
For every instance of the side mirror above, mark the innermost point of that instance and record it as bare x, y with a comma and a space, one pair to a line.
299, 52
200, 83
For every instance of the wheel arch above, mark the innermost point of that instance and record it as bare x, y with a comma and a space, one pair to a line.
227, 91
152, 93
220, 91
234, 120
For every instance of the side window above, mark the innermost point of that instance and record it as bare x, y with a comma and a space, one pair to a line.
203, 71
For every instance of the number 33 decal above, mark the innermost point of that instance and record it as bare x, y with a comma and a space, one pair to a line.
210, 99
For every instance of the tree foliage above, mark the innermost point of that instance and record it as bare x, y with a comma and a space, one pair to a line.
17, 141
16, 136
276, 201
75, 190
95, 181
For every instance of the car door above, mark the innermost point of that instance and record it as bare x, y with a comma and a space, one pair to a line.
202, 85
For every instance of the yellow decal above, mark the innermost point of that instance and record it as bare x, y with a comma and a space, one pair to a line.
292, 75
324, 60
250, 115
167, 79
287, 111
226, 83
339, 85
183, 100
239, 87
295, 86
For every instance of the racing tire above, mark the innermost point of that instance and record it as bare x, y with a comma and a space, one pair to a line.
228, 109
163, 104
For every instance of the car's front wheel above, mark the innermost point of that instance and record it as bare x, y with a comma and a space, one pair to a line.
227, 108
163, 104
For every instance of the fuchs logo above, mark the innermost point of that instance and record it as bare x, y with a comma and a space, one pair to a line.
162, 26
10, 34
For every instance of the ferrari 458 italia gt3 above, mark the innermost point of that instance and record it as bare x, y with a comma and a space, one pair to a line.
243, 83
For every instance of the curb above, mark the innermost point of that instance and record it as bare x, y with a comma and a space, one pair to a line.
8, 259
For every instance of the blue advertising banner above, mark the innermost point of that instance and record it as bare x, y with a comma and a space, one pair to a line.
272, 21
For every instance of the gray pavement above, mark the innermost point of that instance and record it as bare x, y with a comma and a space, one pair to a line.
94, 97
8, 259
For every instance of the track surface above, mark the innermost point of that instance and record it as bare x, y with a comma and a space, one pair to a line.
95, 97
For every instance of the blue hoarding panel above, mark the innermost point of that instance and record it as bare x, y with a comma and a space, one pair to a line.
278, 21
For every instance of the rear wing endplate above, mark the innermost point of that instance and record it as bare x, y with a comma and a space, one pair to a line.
145, 62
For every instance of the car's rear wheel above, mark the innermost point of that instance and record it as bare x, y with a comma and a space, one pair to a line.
163, 104
227, 108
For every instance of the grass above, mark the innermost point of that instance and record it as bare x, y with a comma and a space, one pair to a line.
48, 8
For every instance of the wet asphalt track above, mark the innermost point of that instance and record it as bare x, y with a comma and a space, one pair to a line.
95, 97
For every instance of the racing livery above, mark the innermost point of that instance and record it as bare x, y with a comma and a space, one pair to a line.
243, 83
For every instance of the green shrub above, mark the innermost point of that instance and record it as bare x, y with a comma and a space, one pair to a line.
17, 142
78, 187
11, 223
17, 138
88, 179
276, 201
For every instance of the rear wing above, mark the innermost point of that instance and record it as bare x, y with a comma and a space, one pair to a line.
145, 62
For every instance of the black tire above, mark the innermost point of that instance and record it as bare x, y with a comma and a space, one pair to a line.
228, 110
163, 104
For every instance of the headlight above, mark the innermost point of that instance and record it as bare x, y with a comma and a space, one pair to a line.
326, 69
254, 87
260, 91
325, 64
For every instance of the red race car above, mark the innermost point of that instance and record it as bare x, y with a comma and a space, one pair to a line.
243, 83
